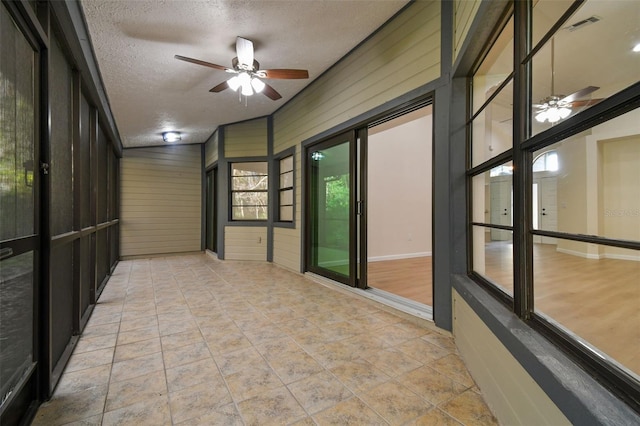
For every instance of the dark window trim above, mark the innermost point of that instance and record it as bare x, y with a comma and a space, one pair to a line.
231, 162
604, 370
276, 162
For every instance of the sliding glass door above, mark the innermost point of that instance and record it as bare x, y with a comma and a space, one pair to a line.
330, 212
18, 230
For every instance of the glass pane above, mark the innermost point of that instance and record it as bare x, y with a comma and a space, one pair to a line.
253, 168
103, 176
581, 66
286, 213
286, 197
16, 132
493, 196
493, 256
249, 213
286, 164
493, 128
286, 180
495, 68
249, 198
593, 293
85, 163
61, 147
249, 182
596, 182
16, 319
545, 14
330, 204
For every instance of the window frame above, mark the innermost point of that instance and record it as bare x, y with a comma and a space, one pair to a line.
521, 153
278, 222
233, 191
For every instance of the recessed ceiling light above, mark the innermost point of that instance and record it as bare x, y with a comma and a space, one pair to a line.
171, 136
636, 48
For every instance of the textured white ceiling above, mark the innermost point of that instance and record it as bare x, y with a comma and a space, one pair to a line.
151, 92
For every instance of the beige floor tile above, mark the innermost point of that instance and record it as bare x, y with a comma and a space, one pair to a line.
185, 354
128, 392
319, 391
359, 375
393, 362
84, 380
88, 344
137, 335
251, 382
130, 368
196, 401
395, 403
226, 415
350, 412
273, 407
92, 330
150, 412
470, 409
66, 408
85, 360
422, 350
89, 421
453, 366
195, 373
294, 366
137, 349
434, 417
181, 339
149, 320
234, 362
431, 385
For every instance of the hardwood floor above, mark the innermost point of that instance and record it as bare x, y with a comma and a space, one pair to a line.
409, 278
598, 300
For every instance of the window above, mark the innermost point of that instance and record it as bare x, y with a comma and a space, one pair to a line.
249, 184
562, 186
285, 189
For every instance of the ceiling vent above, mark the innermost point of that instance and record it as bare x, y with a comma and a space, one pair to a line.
583, 23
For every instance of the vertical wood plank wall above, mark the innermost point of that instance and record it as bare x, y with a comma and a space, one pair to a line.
509, 390
463, 13
211, 150
403, 56
161, 197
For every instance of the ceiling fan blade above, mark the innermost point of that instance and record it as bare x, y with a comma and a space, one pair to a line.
244, 50
285, 73
271, 93
203, 63
579, 94
220, 87
585, 102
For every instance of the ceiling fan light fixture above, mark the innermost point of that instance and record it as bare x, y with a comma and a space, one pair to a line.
234, 83
257, 84
636, 48
553, 114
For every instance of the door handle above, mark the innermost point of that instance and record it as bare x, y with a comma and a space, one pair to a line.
6, 252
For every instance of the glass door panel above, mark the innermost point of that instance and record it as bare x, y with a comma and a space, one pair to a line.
331, 213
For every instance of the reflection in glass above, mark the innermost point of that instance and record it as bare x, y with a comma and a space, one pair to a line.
495, 68
589, 183
493, 256
493, 127
595, 296
330, 205
493, 196
585, 62
545, 14
16, 319
249, 198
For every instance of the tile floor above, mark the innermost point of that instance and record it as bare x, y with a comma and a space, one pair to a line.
190, 340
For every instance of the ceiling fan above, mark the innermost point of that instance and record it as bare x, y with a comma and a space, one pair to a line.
248, 75
557, 107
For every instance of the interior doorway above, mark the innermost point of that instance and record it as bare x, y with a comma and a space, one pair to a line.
399, 206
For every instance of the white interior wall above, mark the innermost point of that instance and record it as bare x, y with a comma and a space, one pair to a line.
399, 187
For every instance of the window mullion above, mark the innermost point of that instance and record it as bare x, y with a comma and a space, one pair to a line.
522, 177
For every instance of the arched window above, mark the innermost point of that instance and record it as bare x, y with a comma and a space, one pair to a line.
546, 162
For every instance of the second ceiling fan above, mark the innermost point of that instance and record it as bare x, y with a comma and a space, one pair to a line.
248, 75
